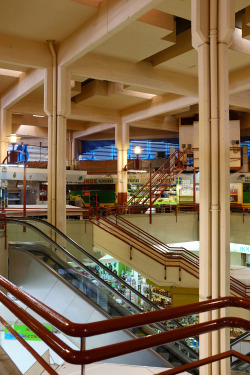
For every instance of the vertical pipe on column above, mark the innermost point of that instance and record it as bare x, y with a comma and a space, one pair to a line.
214, 148
224, 195
205, 195
52, 151
214, 171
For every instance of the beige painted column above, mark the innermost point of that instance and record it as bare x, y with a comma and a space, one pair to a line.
212, 29
122, 145
226, 28
50, 108
201, 43
71, 153
63, 110
5, 131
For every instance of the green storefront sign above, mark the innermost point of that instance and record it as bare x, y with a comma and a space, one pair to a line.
24, 332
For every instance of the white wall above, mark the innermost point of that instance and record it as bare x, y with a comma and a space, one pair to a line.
190, 134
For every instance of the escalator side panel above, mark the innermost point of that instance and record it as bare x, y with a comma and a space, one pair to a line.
25, 271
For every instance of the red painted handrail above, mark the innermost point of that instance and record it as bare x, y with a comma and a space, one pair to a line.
24, 343
166, 170
90, 329
135, 230
170, 259
147, 244
206, 361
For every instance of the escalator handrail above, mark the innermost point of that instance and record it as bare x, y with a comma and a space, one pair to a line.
239, 339
159, 326
93, 274
233, 363
87, 254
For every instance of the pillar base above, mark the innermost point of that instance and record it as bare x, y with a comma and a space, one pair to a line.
122, 198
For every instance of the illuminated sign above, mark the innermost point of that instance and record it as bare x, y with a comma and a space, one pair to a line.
93, 181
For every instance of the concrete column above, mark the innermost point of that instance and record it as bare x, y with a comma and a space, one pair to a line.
50, 108
226, 26
122, 145
211, 32
205, 280
71, 153
245, 159
51, 169
63, 110
5, 131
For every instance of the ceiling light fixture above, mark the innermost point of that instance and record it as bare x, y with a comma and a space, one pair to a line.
10, 73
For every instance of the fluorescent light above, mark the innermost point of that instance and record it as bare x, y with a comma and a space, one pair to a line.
10, 73
38, 116
136, 171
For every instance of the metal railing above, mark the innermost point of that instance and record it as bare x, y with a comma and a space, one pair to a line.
161, 179
150, 246
82, 331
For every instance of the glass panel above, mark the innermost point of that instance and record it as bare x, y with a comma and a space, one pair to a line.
91, 277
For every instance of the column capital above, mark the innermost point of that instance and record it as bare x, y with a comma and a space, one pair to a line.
122, 136
226, 20
200, 22
63, 92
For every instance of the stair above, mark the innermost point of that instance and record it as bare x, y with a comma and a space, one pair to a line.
163, 178
7, 366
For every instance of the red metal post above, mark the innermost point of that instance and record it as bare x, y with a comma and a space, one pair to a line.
82, 350
194, 186
150, 193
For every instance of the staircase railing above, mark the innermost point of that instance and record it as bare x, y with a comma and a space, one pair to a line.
157, 250
169, 170
181, 258
82, 331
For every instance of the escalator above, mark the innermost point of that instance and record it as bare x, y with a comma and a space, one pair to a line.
105, 290
238, 365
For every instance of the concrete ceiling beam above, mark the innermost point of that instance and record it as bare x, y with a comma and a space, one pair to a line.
27, 83
92, 129
169, 123
183, 45
113, 16
18, 51
94, 114
142, 74
158, 105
